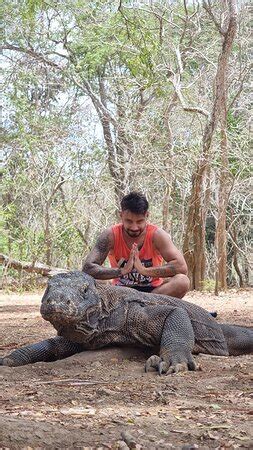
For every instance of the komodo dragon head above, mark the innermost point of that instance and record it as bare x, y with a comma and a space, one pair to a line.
70, 298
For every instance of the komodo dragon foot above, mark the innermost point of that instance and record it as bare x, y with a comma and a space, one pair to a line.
169, 365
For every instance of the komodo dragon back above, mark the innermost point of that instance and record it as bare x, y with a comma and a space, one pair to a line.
209, 337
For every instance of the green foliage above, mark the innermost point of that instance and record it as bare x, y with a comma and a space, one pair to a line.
130, 45
208, 285
234, 122
30, 7
193, 65
3, 236
49, 135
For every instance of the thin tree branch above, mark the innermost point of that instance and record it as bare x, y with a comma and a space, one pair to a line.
32, 53
208, 7
188, 108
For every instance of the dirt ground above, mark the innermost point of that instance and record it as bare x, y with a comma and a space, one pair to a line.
104, 399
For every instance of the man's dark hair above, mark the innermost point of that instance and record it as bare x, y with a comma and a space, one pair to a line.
135, 202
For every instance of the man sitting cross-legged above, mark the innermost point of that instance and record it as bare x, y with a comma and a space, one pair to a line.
142, 255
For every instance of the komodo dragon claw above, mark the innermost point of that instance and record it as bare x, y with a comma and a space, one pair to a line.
153, 362
169, 367
6, 362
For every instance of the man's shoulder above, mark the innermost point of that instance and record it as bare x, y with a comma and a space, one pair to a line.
115, 227
152, 228
160, 235
107, 235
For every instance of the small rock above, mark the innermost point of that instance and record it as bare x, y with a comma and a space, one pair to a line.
129, 439
78, 411
96, 364
105, 391
121, 445
114, 360
190, 446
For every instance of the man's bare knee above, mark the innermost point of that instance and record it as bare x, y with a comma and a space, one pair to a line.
176, 286
182, 281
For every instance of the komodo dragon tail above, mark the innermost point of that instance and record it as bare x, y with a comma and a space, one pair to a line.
239, 339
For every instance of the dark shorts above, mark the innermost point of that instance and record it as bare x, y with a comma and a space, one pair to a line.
143, 288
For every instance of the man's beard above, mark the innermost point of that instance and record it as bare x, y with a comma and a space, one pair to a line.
133, 233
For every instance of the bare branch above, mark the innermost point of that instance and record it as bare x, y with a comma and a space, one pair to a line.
32, 53
188, 108
208, 7
100, 108
240, 88
34, 267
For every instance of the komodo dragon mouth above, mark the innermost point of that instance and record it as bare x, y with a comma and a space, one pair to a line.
56, 313
68, 304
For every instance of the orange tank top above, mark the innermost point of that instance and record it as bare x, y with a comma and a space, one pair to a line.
149, 257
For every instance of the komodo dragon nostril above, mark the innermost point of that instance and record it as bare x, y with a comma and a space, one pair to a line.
68, 302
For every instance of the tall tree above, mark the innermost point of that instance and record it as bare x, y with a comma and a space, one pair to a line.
199, 198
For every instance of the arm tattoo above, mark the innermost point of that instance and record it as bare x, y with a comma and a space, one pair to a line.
100, 272
102, 246
167, 270
93, 263
172, 268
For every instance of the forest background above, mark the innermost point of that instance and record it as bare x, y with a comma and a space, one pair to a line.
105, 97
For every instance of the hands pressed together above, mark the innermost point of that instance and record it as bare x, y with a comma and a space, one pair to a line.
134, 262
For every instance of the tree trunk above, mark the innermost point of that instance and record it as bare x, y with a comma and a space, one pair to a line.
235, 258
194, 241
47, 234
116, 163
168, 170
223, 197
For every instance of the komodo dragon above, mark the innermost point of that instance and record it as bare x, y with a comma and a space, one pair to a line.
88, 315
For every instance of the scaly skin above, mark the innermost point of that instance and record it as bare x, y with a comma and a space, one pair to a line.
89, 315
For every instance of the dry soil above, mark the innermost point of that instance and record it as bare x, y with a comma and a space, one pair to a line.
103, 399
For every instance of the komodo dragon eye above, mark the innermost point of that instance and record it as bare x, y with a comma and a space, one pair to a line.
85, 288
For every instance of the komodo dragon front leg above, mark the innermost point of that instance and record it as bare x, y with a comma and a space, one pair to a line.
168, 327
177, 343
48, 350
